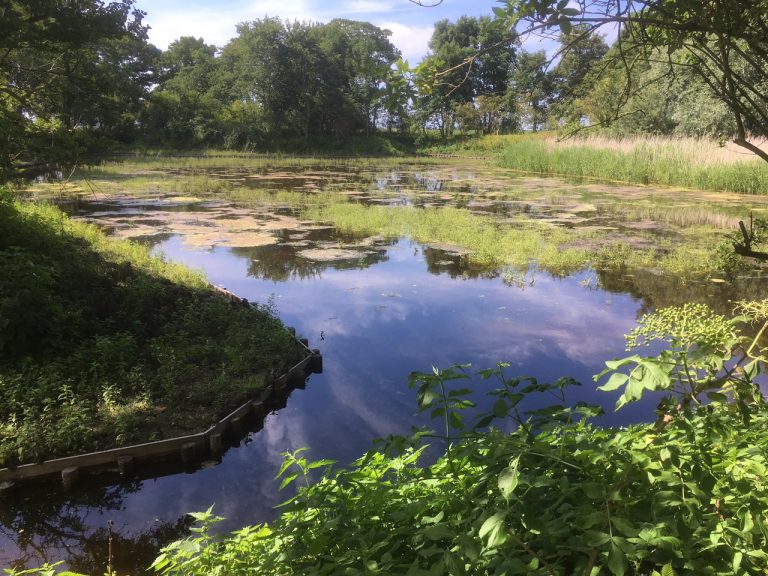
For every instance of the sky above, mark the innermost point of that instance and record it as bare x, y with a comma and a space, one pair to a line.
215, 20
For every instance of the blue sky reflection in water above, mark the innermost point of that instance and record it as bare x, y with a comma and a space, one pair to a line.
378, 324
374, 326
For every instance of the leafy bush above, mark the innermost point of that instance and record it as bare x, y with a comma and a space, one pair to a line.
557, 495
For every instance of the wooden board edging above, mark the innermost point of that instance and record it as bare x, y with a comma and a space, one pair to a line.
192, 446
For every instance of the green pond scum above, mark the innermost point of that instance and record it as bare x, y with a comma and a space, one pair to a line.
495, 217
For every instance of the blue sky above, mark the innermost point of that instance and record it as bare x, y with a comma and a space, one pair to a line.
215, 20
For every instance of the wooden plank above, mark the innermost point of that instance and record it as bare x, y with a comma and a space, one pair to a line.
125, 458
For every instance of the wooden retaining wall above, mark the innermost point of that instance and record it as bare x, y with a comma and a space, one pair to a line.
187, 451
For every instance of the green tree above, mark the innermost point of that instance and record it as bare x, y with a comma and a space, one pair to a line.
362, 55
724, 42
182, 109
582, 50
69, 71
468, 59
531, 87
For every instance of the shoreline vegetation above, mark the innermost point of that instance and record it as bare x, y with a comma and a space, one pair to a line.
557, 495
671, 162
104, 345
698, 164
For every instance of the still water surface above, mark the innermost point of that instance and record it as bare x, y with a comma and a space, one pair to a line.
377, 313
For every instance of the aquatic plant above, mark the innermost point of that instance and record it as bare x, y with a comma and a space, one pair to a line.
650, 162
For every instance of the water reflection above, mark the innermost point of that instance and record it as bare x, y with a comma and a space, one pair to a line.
44, 525
378, 310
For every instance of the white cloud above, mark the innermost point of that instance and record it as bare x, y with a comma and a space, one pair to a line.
412, 41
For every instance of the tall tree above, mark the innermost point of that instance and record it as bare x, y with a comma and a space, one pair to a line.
531, 87
67, 70
468, 59
363, 54
582, 50
724, 42
182, 109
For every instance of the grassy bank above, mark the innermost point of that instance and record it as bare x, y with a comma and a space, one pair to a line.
701, 165
103, 345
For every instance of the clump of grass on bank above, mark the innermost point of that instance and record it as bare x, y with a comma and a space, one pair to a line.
656, 162
104, 345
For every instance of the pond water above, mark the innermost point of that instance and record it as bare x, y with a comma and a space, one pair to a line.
378, 309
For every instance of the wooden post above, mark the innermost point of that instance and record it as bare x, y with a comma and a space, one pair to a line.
216, 444
317, 362
126, 465
188, 453
69, 477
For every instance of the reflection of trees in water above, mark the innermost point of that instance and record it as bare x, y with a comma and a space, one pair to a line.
283, 262
279, 262
456, 265
659, 291
47, 527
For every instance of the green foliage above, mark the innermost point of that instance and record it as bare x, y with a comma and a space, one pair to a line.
74, 75
103, 345
556, 495
720, 43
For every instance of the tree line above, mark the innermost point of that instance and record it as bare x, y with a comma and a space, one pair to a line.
82, 76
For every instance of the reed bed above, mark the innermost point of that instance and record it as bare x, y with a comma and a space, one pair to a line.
686, 163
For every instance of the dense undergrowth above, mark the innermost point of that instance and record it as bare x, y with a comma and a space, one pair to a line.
102, 344
558, 495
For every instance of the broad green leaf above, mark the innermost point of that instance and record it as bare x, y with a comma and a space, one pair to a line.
624, 526
509, 478
493, 530
616, 381
667, 570
617, 560
438, 532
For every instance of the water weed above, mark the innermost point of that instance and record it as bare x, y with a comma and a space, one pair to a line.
651, 162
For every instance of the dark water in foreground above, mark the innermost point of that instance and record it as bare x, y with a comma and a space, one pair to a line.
397, 308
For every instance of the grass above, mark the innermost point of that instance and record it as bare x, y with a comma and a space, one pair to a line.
652, 161
104, 345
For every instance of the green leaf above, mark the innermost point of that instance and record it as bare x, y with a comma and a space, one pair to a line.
288, 479
321, 463
565, 25
617, 560
493, 530
624, 526
509, 478
500, 409
617, 380
438, 532
737, 558
667, 570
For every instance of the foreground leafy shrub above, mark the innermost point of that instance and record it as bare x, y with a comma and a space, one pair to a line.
556, 495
